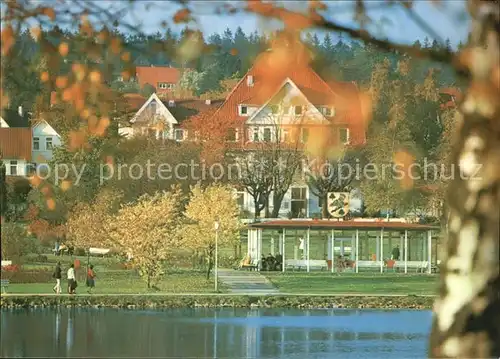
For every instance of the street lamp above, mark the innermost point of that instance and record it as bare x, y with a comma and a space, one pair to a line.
216, 227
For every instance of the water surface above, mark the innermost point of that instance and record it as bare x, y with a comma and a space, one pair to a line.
215, 333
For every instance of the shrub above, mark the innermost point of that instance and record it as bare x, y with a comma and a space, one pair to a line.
80, 252
14, 242
27, 276
39, 258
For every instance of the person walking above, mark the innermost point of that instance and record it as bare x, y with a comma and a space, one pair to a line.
71, 279
90, 278
57, 276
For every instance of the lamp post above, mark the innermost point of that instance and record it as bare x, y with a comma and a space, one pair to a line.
216, 227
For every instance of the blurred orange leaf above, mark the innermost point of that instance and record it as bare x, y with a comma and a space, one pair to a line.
404, 160
7, 39
35, 32
116, 45
61, 82
65, 185
126, 56
63, 49
35, 180
234, 52
51, 204
49, 12
76, 139
95, 76
44, 77
183, 15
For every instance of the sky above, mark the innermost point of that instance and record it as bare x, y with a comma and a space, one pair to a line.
447, 18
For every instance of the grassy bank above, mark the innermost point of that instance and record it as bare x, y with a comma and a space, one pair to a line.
193, 301
362, 283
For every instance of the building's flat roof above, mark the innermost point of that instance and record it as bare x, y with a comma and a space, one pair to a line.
332, 224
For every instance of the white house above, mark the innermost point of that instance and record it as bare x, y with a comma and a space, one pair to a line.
162, 119
45, 138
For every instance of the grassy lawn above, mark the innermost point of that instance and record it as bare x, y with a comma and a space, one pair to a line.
127, 281
112, 280
361, 283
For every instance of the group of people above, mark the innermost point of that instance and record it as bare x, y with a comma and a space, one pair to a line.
271, 263
71, 277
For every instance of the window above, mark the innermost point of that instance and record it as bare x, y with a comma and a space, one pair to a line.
243, 110
179, 134
299, 202
165, 85
344, 135
36, 143
232, 135
48, 143
274, 109
267, 134
13, 168
304, 135
255, 135
298, 110
328, 111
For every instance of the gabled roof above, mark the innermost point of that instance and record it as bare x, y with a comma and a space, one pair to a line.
182, 109
154, 74
280, 89
3, 123
15, 143
153, 97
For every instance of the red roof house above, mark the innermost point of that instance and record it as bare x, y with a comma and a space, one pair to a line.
162, 78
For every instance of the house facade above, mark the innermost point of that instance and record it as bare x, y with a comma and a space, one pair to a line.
292, 103
45, 139
162, 119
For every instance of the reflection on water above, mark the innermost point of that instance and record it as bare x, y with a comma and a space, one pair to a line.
207, 333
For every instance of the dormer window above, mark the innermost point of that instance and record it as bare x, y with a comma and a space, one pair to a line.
298, 110
327, 111
243, 110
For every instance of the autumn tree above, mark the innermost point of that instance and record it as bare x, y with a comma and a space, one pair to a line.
3, 189
149, 229
81, 234
205, 207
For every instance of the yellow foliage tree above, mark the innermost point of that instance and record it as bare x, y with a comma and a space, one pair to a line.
88, 224
149, 229
207, 205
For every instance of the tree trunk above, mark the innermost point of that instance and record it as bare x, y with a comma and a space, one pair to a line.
277, 199
467, 313
324, 208
256, 206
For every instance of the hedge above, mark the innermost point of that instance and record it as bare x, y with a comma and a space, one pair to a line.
186, 301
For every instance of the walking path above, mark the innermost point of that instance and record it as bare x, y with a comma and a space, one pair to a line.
246, 282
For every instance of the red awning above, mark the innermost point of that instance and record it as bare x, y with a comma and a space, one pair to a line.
332, 224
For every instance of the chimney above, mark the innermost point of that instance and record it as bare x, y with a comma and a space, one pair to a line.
250, 80
20, 111
208, 102
171, 103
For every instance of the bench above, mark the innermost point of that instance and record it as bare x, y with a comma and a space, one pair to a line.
370, 264
254, 265
302, 263
419, 266
4, 284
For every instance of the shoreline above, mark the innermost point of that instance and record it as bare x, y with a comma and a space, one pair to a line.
217, 300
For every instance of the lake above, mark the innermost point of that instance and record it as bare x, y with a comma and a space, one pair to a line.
215, 333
